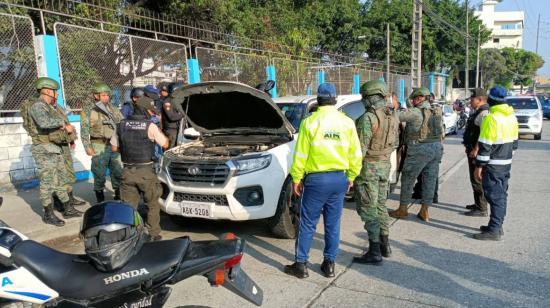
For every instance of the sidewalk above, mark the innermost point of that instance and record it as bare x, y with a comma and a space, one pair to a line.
23, 211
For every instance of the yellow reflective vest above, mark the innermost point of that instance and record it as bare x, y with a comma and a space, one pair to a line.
327, 141
498, 137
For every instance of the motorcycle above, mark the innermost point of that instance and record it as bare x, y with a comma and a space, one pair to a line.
34, 275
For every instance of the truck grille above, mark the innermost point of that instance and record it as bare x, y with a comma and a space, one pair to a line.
523, 119
217, 199
198, 172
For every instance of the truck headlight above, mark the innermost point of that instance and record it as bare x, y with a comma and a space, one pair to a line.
249, 164
535, 118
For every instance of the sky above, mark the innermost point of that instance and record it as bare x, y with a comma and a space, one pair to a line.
532, 8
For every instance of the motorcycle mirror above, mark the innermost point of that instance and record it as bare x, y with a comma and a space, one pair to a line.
266, 86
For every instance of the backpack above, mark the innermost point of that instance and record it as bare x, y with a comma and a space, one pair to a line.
28, 122
431, 129
385, 134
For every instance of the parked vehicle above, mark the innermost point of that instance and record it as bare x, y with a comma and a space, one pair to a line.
528, 111
450, 120
545, 106
34, 273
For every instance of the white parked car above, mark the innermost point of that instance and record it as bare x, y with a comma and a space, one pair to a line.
528, 111
450, 120
238, 169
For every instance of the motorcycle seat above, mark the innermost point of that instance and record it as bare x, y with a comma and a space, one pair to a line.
75, 277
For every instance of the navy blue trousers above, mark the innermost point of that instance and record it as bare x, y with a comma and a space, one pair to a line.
495, 188
323, 194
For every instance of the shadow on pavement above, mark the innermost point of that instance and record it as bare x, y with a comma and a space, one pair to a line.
475, 268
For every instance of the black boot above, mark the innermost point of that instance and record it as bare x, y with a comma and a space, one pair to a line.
373, 256
50, 218
74, 201
385, 248
57, 204
70, 211
99, 196
328, 268
297, 269
117, 194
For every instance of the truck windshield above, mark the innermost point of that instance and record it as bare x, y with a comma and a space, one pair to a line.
294, 113
523, 103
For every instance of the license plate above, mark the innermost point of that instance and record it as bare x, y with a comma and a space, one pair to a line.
196, 209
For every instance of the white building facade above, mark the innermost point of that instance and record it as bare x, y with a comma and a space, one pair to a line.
507, 27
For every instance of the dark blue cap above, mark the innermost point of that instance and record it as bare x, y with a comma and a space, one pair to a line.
326, 90
151, 89
497, 94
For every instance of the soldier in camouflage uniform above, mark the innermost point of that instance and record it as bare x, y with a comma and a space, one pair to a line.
423, 135
378, 133
50, 132
98, 121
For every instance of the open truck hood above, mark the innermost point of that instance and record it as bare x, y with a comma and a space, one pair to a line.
220, 107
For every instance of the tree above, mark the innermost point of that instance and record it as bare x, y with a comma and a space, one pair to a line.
520, 67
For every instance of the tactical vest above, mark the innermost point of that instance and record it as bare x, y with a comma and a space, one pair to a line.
384, 139
42, 136
101, 124
431, 129
135, 146
471, 133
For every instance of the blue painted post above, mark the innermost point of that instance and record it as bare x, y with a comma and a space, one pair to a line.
51, 60
432, 82
321, 76
356, 84
445, 87
193, 71
308, 90
272, 75
402, 93
381, 78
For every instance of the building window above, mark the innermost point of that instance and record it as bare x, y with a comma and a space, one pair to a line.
510, 26
496, 40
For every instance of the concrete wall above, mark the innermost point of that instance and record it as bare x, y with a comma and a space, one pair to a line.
17, 166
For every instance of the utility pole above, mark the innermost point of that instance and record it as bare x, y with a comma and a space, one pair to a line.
416, 54
477, 61
537, 52
388, 50
467, 72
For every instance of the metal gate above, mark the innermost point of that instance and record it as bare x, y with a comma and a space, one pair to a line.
17, 62
122, 61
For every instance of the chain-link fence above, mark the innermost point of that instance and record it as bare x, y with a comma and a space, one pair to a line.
296, 77
217, 64
17, 62
121, 61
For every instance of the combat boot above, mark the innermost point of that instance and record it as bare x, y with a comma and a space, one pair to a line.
70, 211
297, 269
423, 213
373, 256
57, 204
385, 248
50, 218
401, 212
74, 201
117, 194
99, 195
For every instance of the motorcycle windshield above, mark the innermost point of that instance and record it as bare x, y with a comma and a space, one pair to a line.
110, 213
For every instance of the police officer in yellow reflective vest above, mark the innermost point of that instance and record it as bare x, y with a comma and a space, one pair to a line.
326, 161
498, 139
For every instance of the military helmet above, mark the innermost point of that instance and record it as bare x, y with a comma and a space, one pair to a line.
374, 87
422, 91
101, 87
46, 83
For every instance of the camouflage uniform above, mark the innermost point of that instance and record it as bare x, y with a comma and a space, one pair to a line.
67, 175
97, 126
422, 158
48, 155
372, 184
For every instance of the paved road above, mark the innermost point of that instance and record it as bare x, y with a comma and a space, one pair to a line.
435, 264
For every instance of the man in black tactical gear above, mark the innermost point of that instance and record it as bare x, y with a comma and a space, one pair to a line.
470, 139
172, 113
136, 138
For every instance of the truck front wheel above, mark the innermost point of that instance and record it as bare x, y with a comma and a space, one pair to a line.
285, 222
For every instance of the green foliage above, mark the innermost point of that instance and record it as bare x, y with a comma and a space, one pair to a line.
509, 66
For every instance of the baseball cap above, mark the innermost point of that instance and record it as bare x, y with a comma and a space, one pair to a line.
326, 90
477, 92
